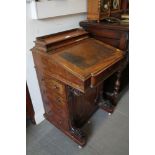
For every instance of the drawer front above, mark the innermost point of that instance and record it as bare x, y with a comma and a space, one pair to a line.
57, 100
57, 104
53, 86
52, 98
57, 87
99, 77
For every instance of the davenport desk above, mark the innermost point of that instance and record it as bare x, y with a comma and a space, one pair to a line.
71, 68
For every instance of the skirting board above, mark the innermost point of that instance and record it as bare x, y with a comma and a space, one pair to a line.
55, 8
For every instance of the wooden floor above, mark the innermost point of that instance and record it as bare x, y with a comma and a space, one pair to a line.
107, 135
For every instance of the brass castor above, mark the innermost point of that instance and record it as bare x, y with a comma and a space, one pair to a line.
89, 122
80, 147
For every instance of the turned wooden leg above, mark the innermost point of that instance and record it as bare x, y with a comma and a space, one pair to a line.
105, 104
116, 89
111, 101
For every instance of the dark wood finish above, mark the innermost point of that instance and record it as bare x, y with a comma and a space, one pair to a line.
115, 34
125, 6
71, 77
29, 107
101, 9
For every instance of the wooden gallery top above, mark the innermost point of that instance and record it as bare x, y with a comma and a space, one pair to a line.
71, 68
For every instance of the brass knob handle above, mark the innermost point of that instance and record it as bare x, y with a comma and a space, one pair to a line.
58, 100
56, 87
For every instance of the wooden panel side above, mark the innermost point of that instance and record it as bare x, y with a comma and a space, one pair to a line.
47, 67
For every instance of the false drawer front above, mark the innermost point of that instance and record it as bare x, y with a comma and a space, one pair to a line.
100, 76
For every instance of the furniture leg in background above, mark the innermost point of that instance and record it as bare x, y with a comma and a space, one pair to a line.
29, 107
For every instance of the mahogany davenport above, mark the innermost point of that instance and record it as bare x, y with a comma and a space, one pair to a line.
114, 34
71, 68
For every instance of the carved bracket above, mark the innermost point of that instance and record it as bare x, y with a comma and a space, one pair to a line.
74, 91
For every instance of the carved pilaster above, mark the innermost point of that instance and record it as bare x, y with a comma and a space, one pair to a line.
117, 87
74, 131
103, 103
74, 91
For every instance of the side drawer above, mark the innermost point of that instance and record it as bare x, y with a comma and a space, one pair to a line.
57, 104
54, 86
57, 100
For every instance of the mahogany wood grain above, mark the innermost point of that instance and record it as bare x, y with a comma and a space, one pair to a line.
71, 78
115, 34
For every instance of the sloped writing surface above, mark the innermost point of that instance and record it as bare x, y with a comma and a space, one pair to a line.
87, 57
